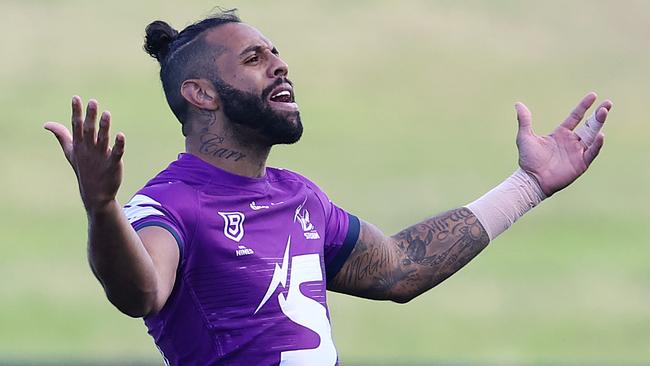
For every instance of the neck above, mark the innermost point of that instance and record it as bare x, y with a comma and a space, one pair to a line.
225, 151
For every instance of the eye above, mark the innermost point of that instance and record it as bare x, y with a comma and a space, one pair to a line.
252, 59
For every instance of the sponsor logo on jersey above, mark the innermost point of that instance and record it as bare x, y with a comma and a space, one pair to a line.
256, 207
312, 235
242, 250
302, 216
233, 227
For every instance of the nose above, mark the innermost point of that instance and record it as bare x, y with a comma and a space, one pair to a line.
278, 67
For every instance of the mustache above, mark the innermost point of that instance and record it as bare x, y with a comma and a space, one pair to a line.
267, 91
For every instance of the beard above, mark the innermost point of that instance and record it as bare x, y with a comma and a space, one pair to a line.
253, 119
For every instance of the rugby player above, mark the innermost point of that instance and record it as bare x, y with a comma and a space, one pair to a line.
228, 260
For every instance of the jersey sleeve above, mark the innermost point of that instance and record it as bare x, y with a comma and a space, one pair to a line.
341, 233
341, 236
163, 206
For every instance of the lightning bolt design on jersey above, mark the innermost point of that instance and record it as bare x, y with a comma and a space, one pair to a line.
279, 276
299, 308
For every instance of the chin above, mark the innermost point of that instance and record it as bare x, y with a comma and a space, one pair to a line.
288, 134
294, 119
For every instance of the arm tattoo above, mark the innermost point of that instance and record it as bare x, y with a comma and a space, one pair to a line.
413, 261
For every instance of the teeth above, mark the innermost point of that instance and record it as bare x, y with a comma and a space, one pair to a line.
282, 93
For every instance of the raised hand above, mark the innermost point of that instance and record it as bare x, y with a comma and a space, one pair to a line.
97, 166
557, 159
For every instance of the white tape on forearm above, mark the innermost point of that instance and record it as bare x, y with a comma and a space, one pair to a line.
498, 209
589, 130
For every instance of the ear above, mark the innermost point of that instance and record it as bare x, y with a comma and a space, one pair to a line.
200, 93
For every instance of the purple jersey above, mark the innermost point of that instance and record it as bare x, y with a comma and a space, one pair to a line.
256, 254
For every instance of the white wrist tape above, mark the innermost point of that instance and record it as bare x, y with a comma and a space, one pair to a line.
507, 202
589, 130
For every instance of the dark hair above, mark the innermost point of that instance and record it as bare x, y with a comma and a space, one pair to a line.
182, 55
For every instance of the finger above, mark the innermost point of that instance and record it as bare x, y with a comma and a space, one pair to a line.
590, 129
524, 118
89, 122
77, 120
118, 148
579, 111
103, 133
594, 149
602, 115
62, 135
607, 104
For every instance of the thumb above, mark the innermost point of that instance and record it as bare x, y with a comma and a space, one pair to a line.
524, 118
62, 135
118, 148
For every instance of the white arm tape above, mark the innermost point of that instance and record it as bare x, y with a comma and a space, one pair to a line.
498, 209
589, 130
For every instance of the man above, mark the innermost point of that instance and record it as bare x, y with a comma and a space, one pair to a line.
227, 260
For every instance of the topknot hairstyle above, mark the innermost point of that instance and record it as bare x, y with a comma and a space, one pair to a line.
158, 38
183, 55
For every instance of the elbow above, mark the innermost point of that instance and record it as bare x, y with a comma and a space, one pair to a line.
132, 312
135, 311
401, 300
136, 304
402, 297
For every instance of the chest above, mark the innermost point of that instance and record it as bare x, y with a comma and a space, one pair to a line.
243, 244
245, 226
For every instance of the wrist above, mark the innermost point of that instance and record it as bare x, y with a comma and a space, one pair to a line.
532, 185
101, 207
499, 208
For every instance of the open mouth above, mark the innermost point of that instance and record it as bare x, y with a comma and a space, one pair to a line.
282, 94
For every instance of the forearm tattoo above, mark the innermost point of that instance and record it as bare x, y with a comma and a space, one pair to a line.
414, 260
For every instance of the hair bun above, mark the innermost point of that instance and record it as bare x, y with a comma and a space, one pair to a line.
158, 36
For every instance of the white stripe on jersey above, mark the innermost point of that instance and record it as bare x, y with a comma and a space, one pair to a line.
141, 206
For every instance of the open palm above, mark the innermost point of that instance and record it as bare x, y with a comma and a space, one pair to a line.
97, 165
559, 158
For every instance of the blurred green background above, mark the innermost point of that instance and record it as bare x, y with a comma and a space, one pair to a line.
408, 109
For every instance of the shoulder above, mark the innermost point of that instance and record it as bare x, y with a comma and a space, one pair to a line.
169, 193
173, 187
171, 205
172, 199
279, 175
286, 176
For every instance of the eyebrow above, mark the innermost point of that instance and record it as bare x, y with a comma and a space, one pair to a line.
257, 48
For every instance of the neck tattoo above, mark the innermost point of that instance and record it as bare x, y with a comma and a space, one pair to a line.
211, 144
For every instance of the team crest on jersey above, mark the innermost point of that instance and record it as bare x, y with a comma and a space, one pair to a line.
302, 216
233, 227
